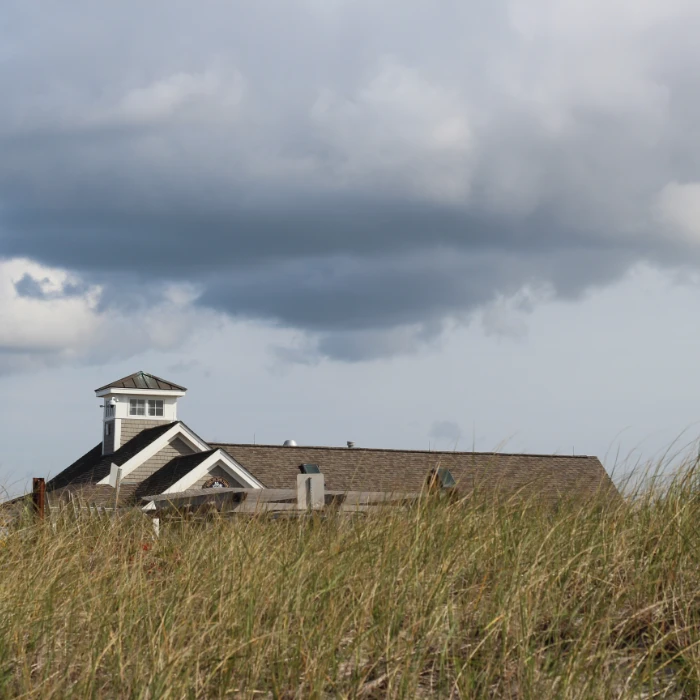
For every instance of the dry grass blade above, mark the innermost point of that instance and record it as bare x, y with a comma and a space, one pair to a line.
444, 599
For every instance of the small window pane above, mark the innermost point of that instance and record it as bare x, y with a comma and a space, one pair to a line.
446, 479
309, 469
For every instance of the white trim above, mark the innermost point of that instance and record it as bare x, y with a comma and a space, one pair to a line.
218, 458
156, 446
151, 392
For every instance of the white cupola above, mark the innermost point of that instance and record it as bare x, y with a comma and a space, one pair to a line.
134, 403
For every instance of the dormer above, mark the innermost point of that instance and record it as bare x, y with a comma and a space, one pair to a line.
134, 403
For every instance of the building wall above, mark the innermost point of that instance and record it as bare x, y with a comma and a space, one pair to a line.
133, 426
216, 471
177, 448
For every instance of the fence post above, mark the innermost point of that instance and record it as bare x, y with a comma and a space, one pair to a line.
39, 496
118, 479
310, 491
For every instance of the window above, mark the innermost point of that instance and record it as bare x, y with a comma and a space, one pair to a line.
109, 411
216, 482
137, 407
309, 469
442, 478
108, 428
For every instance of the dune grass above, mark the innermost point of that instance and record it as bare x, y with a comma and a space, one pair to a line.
446, 599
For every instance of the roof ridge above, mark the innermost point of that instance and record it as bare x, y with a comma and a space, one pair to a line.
390, 449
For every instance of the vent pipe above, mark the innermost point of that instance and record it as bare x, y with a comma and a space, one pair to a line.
290, 443
351, 444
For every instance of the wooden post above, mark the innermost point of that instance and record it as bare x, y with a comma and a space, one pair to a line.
117, 483
310, 491
39, 496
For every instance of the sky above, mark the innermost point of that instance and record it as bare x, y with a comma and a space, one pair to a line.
444, 225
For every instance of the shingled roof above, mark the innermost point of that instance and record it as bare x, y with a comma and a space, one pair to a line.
142, 381
93, 466
92, 494
361, 469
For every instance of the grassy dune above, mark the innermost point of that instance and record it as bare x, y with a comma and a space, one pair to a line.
467, 599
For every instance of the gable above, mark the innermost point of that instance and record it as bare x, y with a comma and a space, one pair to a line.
217, 472
194, 471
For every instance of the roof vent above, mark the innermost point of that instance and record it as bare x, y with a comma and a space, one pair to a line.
351, 444
290, 443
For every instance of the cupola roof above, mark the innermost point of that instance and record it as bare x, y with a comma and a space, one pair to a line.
143, 381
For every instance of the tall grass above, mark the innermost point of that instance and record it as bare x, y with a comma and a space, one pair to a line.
446, 599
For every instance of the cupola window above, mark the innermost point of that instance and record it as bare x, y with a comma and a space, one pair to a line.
155, 407
145, 407
137, 407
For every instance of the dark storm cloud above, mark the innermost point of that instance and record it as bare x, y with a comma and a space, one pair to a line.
316, 166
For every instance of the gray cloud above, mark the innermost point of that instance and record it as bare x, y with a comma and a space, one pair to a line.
361, 173
33, 288
30, 287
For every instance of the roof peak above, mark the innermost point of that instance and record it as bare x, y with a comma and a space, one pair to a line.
143, 381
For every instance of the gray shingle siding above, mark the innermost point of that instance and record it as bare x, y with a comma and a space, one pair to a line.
133, 426
177, 448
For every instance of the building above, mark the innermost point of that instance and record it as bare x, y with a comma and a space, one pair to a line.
146, 450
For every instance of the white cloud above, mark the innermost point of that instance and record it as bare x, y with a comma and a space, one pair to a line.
44, 325
64, 322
